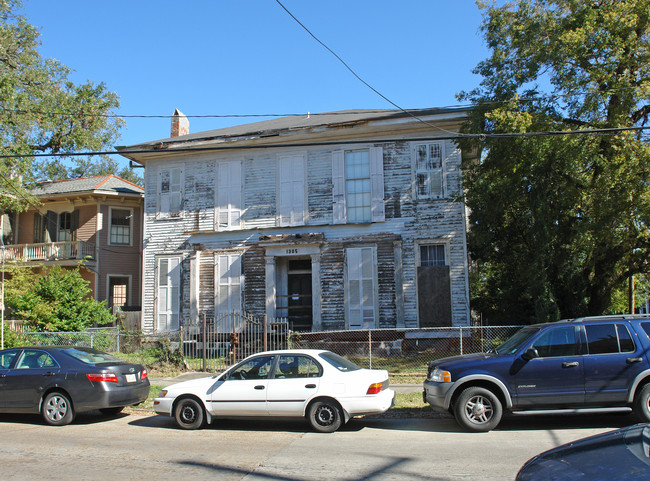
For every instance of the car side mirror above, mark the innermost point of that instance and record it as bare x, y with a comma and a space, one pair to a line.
530, 353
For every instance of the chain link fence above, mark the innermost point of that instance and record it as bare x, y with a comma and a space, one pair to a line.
404, 353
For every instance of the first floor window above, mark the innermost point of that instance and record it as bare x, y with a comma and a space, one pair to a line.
118, 288
361, 287
228, 284
169, 279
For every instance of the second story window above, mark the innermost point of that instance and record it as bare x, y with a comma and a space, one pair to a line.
429, 171
66, 229
229, 195
358, 186
170, 192
120, 227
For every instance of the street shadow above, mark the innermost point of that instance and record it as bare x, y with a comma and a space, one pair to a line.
84, 418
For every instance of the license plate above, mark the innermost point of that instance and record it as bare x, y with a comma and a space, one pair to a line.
130, 378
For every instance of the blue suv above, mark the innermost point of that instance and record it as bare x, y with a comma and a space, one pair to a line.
575, 365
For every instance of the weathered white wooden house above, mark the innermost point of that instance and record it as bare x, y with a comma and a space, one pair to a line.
341, 220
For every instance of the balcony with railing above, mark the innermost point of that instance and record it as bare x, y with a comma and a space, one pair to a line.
67, 253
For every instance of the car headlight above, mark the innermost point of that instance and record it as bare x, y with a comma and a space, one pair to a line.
438, 375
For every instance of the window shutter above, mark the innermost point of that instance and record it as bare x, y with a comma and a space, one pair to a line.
75, 223
292, 191
377, 184
176, 188
338, 187
38, 228
229, 195
51, 225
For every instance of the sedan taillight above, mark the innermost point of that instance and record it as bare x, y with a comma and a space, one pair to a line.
144, 374
102, 376
375, 388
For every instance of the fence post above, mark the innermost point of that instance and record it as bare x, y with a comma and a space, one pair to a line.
205, 343
265, 344
92, 338
370, 348
118, 339
461, 340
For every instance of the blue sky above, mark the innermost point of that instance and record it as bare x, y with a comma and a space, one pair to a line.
234, 57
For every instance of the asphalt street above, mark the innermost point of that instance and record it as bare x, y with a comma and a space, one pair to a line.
148, 447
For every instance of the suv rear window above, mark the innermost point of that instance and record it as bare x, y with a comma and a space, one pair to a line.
608, 338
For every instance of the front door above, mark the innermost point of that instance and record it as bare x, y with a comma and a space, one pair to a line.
299, 301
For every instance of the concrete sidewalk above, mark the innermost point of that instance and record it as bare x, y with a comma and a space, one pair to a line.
187, 376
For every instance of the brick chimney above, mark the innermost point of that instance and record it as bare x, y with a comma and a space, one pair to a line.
180, 124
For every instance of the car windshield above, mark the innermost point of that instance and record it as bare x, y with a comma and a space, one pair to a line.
91, 356
340, 363
514, 343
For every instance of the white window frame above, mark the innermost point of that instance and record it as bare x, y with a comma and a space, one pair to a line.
110, 226
376, 178
229, 195
360, 270
172, 291
291, 198
170, 200
429, 173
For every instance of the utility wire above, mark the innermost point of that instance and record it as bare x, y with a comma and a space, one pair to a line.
160, 147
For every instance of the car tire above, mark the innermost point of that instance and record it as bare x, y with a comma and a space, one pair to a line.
478, 409
325, 416
642, 404
189, 414
57, 409
111, 411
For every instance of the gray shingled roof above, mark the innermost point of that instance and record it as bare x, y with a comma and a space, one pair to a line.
298, 122
99, 184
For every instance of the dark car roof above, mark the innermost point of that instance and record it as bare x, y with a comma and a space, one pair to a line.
589, 319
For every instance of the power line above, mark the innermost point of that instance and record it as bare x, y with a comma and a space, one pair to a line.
355, 74
160, 148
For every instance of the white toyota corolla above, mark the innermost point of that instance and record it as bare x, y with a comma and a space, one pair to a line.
321, 386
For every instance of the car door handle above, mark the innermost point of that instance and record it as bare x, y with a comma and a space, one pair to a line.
259, 388
570, 364
48, 374
310, 386
632, 360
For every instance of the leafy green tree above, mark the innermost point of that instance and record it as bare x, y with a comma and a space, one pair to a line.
43, 112
559, 223
55, 300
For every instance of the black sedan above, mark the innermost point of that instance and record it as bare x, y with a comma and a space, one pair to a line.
619, 455
59, 382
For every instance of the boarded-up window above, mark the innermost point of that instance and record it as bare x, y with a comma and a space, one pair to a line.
434, 287
229, 196
361, 288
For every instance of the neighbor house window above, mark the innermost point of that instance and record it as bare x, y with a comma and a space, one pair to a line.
291, 190
361, 281
120, 227
429, 175
229, 195
358, 186
170, 192
66, 227
168, 304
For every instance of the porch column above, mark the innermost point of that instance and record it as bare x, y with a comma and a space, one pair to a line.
317, 322
270, 288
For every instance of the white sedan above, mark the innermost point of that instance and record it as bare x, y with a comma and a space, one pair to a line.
322, 386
